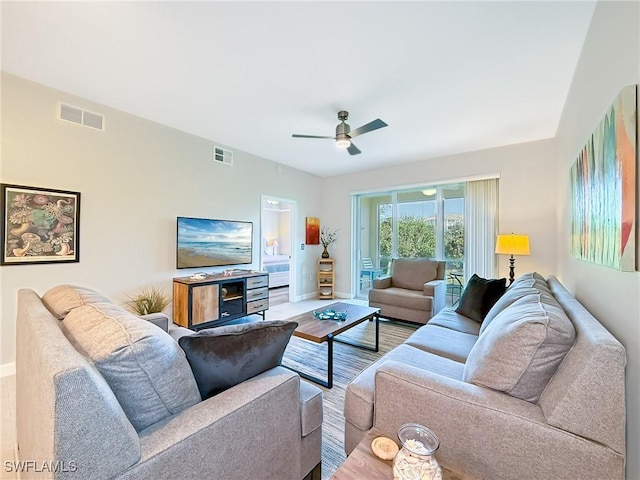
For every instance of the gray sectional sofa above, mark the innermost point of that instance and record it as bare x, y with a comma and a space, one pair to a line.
103, 394
536, 391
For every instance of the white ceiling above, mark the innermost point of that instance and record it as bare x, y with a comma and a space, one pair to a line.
448, 77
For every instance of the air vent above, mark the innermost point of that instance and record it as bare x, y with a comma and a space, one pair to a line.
79, 116
223, 155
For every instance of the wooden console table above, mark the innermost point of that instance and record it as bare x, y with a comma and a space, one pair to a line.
362, 463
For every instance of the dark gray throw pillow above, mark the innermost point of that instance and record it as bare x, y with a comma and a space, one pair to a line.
226, 356
479, 296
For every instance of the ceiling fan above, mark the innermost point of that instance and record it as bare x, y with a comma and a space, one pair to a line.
344, 134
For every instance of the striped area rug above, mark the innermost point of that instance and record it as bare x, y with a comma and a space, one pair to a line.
348, 362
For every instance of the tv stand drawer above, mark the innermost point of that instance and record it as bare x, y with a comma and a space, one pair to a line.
257, 282
257, 306
257, 294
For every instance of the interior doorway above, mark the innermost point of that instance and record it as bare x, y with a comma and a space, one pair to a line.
277, 255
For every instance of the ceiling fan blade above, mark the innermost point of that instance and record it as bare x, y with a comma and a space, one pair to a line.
296, 135
374, 125
353, 150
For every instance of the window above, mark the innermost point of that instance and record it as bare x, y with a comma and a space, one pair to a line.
421, 222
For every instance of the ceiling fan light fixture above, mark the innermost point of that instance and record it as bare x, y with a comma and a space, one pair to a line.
343, 143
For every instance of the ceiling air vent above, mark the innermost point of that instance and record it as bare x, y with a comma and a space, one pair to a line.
223, 155
79, 116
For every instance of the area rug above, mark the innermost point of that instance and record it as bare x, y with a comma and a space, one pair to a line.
348, 362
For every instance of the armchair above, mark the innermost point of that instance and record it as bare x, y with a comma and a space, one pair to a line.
414, 291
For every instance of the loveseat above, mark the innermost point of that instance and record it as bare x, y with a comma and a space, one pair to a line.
71, 423
536, 390
414, 290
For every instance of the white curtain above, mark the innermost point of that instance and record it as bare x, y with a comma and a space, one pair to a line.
481, 228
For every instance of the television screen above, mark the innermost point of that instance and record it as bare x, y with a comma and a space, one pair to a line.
205, 242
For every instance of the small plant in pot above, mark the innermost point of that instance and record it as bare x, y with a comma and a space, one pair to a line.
327, 237
149, 300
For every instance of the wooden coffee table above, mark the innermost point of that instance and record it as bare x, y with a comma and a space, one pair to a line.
362, 463
320, 331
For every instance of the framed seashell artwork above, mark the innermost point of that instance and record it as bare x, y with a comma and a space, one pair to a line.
39, 225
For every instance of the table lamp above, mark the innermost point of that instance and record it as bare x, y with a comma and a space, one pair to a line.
512, 245
273, 245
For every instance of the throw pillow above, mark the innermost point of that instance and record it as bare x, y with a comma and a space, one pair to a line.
226, 356
62, 299
521, 348
479, 296
145, 368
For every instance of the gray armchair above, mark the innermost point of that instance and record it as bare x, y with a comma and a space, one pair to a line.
414, 291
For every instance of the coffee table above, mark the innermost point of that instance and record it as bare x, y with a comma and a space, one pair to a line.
320, 331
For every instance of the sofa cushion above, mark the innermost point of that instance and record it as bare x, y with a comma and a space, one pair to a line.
401, 297
413, 273
443, 342
449, 318
226, 356
522, 286
521, 348
360, 393
479, 296
62, 299
144, 366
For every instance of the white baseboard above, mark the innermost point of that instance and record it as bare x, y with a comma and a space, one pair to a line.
7, 369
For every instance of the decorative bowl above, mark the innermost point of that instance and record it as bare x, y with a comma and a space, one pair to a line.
330, 314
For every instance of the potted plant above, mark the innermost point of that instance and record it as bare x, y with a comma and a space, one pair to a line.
327, 237
149, 300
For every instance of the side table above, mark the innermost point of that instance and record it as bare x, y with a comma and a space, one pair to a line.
362, 463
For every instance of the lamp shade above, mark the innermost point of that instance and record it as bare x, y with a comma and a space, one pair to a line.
512, 244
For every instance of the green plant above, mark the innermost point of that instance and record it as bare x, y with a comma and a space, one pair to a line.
149, 300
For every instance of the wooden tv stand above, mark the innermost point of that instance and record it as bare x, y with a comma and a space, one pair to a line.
218, 298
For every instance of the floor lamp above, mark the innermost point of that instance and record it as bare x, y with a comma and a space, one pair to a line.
512, 245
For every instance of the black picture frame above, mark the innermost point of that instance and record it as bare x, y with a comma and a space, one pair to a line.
39, 225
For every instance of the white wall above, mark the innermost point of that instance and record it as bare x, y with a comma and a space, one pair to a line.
526, 199
135, 178
610, 60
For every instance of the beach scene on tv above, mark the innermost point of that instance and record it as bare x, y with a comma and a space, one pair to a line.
209, 243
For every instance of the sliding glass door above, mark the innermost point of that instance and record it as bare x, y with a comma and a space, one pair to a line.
425, 222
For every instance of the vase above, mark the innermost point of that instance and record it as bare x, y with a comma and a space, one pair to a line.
325, 253
416, 459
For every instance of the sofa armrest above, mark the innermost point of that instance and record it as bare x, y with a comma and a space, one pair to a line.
216, 437
382, 282
475, 424
438, 290
158, 319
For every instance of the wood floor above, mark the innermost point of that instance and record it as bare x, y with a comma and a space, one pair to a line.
302, 355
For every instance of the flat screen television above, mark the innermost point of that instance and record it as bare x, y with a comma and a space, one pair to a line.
203, 242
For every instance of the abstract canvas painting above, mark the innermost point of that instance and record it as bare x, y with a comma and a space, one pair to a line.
603, 188
312, 231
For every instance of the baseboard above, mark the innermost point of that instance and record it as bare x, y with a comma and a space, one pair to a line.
7, 369
306, 296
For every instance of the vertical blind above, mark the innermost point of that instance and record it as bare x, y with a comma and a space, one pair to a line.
481, 222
